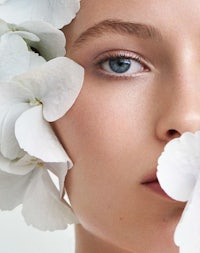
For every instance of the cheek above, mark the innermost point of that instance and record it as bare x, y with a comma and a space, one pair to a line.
106, 119
105, 134
107, 127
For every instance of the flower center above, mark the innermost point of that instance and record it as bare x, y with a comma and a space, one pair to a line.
35, 102
40, 164
12, 27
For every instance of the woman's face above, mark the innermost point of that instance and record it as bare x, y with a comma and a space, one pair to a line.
141, 89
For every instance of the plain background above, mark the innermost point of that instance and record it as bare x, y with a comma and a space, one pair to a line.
17, 237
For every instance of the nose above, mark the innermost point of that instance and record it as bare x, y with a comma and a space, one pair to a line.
179, 108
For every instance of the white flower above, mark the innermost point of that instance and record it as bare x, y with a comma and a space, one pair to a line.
58, 13
42, 36
187, 234
15, 57
43, 206
178, 166
18, 43
28, 145
179, 175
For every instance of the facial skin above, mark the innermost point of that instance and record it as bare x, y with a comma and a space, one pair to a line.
120, 123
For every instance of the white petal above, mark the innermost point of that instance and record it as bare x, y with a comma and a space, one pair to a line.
20, 166
9, 146
42, 206
56, 84
36, 137
35, 60
58, 13
4, 27
60, 170
13, 92
191, 248
12, 190
14, 56
178, 166
51, 42
62, 96
27, 35
188, 230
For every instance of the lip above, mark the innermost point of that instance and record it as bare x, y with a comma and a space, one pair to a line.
152, 183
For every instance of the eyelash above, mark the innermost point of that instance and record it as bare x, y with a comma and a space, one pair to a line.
120, 55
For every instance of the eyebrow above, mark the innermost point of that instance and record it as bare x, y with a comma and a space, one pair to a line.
142, 31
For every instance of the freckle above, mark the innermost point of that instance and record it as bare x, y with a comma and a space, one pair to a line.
120, 218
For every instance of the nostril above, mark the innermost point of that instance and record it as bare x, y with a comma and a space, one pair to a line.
172, 133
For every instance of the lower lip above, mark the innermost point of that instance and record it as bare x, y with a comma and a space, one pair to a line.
155, 187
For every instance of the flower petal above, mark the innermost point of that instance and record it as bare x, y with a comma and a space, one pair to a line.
35, 60
9, 146
56, 84
12, 190
51, 42
37, 138
58, 13
13, 92
20, 166
178, 166
27, 35
14, 56
42, 206
187, 233
60, 170
62, 96
4, 27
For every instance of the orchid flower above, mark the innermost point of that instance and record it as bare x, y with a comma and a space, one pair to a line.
19, 43
42, 36
58, 13
43, 206
179, 176
29, 149
15, 57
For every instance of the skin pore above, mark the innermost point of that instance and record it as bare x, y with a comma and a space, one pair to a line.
141, 89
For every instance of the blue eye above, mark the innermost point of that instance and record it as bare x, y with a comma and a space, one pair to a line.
121, 66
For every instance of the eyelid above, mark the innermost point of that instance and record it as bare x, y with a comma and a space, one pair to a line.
100, 59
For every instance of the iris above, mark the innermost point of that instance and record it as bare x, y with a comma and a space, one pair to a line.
119, 65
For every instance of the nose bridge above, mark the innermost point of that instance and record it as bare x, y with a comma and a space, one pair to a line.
185, 105
181, 101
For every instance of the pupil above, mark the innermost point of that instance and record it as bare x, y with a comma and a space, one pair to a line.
119, 65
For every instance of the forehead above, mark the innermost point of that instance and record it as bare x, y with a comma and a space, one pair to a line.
164, 14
